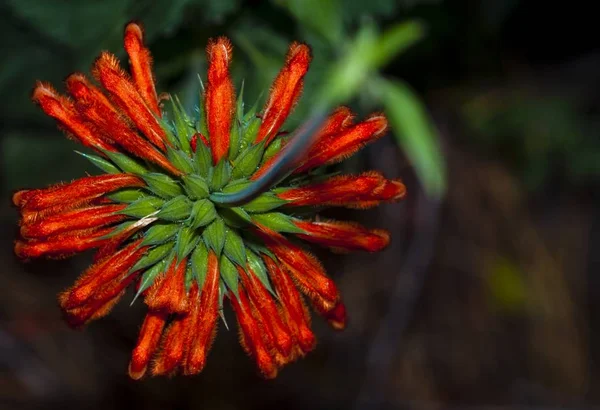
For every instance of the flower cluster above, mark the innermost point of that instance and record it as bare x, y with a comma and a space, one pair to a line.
153, 224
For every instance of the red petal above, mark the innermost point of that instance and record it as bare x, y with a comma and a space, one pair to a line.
304, 268
168, 291
83, 218
251, 335
110, 74
285, 91
140, 62
99, 110
345, 143
219, 97
62, 109
206, 320
292, 308
267, 308
82, 190
100, 274
147, 343
344, 235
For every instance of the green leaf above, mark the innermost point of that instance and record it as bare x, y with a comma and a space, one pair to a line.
250, 133
229, 274
263, 203
235, 217
101, 163
187, 239
163, 185
220, 175
273, 149
277, 221
127, 195
153, 256
180, 160
171, 138
182, 126
195, 186
248, 161
125, 163
257, 267
202, 125
143, 207
149, 277
214, 235
234, 248
323, 17
159, 233
203, 159
203, 213
177, 209
199, 263
237, 185
416, 134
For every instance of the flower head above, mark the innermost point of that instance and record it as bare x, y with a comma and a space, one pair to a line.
152, 221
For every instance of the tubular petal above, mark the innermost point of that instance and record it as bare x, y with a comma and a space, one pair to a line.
285, 91
168, 291
101, 273
344, 235
345, 143
140, 62
304, 267
62, 109
219, 97
63, 245
251, 335
205, 327
292, 308
98, 109
147, 344
110, 74
80, 191
264, 303
172, 349
83, 218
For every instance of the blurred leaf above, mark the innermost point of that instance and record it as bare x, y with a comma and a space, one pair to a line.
507, 286
367, 53
324, 17
415, 133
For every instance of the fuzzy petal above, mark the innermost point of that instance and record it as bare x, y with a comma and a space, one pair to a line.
147, 344
285, 91
219, 97
348, 236
140, 62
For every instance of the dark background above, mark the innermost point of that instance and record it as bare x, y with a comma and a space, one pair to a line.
487, 297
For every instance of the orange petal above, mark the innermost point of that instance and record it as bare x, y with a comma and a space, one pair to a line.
80, 191
63, 245
285, 91
345, 143
168, 291
109, 73
219, 96
83, 218
140, 62
94, 106
62, 109
252, 340
304, 267
292, 307
101, 273
147, 344
346, 190
261, 299
204, 328
348, 236
173, 347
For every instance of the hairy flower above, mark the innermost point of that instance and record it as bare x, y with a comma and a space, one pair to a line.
154, 224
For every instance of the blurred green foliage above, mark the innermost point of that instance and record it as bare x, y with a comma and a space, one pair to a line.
49, 39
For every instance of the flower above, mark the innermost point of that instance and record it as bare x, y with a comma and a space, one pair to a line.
153, 223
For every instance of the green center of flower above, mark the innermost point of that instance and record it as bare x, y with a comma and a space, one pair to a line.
181, 221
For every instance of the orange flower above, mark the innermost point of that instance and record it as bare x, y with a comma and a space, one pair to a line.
154, 224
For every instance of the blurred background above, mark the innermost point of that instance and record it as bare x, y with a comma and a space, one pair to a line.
489, 294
